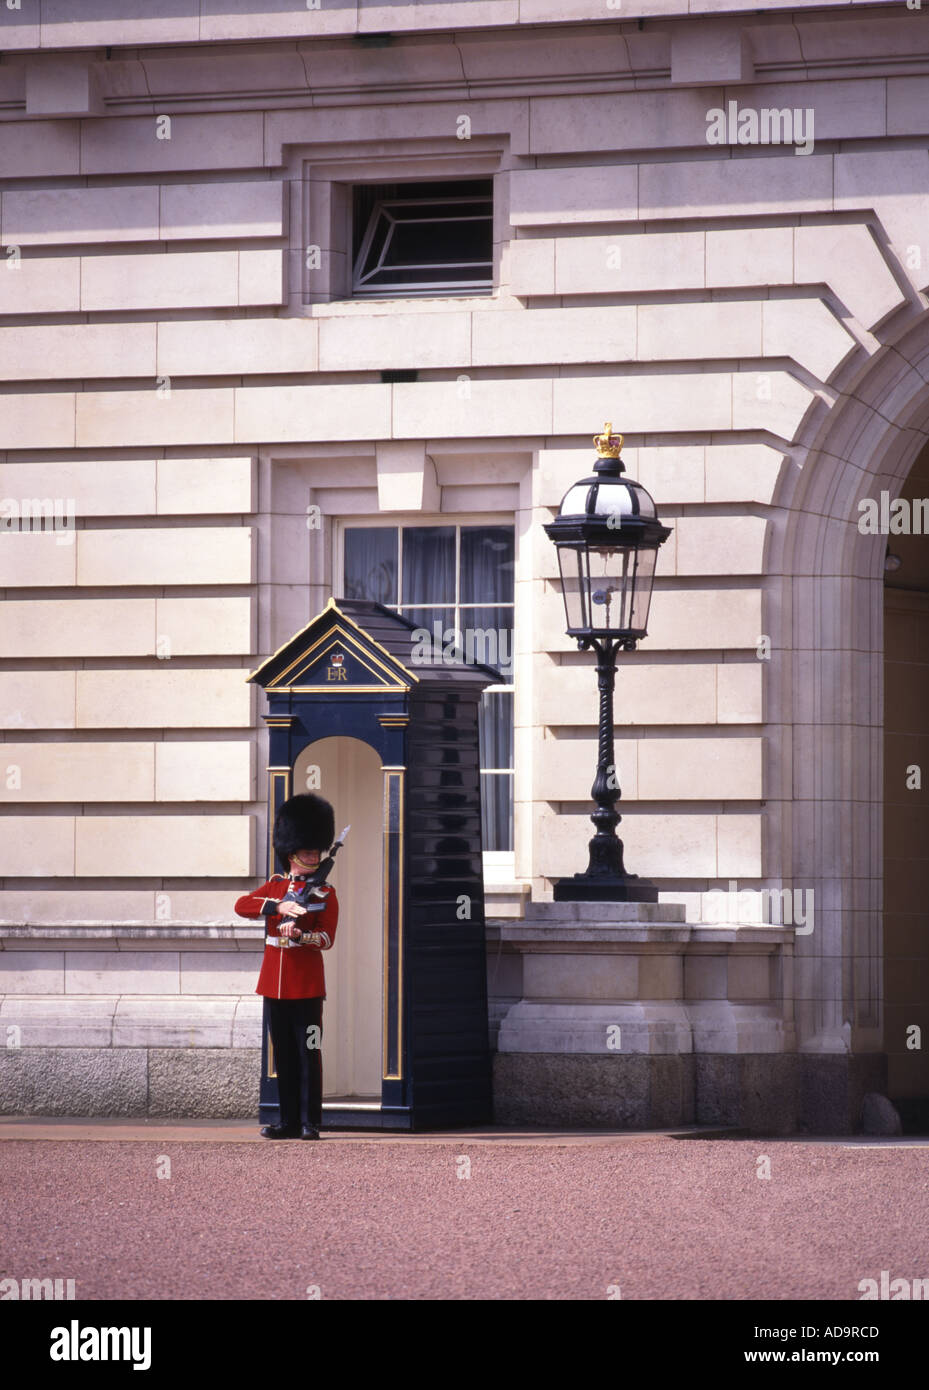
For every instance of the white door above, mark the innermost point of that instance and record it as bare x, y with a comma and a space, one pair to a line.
350, 776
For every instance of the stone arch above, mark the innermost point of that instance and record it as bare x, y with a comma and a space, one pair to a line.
823, 608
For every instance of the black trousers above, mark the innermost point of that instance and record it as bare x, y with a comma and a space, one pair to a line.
299, 1067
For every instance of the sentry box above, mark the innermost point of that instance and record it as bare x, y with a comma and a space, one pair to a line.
384, 725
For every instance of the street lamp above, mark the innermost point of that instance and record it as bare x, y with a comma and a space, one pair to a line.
607, 535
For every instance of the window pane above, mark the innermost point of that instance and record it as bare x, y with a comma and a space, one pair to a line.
429, 564
422, 235
429, 192
371, 563
412, 281
441, 209
487, 636
497, 810
441, 243
487, 564
428, 618
382, 230
495, 726
433, 278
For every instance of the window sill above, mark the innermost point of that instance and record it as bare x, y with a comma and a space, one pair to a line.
500, 870
389, 304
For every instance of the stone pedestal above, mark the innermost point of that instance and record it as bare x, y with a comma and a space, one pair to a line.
623, 1014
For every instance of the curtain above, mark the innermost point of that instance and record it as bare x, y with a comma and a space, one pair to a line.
428, 564
371, 563
487, 564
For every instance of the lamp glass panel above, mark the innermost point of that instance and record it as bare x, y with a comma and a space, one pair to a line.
576, 501
615, 498
645, 574
612, 586
606, 589
570, 562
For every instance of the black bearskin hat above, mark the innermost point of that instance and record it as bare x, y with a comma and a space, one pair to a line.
303, 822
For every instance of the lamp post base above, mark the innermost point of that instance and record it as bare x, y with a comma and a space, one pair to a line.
589, 888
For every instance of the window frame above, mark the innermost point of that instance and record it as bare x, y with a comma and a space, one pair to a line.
406, 290
326, 180
499, 865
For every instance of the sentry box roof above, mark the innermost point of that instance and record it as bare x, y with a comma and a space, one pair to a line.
357, 645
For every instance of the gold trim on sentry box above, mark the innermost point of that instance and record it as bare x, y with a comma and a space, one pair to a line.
338, 635
395, 661
273, 774
393, 781
332, 690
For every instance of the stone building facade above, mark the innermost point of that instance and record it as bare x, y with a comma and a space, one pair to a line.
707, 224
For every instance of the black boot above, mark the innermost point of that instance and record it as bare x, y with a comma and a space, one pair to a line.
279, 1132
309, 1132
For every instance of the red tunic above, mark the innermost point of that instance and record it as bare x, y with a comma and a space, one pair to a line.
291, 972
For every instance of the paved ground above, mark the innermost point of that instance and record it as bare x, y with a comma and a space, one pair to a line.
481, 1214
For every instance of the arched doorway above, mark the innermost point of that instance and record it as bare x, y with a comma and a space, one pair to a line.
348, 773
825, 610
906, 808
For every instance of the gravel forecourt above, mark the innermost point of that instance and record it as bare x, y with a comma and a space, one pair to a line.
459, 1217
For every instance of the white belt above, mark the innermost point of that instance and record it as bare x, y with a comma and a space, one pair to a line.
281, 941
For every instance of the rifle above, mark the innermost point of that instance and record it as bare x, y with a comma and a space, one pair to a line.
324, 868
314, 881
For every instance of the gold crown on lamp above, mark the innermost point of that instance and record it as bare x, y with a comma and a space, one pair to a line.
608, 445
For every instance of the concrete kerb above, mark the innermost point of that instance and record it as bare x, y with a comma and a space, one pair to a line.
41, 1128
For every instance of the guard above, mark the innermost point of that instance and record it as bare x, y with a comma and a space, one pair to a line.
292, 977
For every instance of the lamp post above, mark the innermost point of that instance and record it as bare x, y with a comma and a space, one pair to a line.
607, 535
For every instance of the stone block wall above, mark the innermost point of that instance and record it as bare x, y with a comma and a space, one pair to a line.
187, 385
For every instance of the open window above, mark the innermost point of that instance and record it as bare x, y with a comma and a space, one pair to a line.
422, 238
